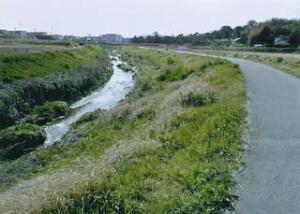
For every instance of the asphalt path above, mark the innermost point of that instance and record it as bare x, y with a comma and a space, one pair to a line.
269, 183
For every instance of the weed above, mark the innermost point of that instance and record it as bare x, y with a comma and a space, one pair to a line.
279, 59
184, 165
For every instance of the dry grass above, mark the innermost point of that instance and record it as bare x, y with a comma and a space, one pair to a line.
146, 136
29, 196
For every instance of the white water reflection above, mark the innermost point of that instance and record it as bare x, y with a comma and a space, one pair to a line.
119, 85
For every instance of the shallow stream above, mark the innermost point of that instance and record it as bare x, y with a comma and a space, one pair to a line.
107, 97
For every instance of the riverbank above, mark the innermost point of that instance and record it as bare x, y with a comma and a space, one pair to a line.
170, 145
119, 85
49, 76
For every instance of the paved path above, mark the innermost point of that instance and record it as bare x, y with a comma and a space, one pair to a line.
270, 182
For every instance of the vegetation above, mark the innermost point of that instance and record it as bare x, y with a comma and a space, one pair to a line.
126, 67
29, 48
266, 32
157, 152
20, 139
19, 97
46, 112
251, 33
286, 62
38, 42
199, 98
28, 65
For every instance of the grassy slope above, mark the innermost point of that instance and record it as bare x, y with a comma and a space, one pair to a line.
289, 63
48, 76
28, 65
150, 154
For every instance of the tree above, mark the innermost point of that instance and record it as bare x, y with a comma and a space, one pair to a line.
226, 32
252, 33
294, 38
263, 34
237, 31
252, 24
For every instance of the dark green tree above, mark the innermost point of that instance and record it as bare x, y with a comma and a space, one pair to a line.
226, 32
294, 38
262, 35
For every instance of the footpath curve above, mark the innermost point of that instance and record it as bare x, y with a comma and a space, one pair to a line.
270, 180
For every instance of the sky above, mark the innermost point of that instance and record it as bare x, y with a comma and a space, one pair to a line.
138, 17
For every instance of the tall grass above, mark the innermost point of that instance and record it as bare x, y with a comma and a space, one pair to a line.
184, 164
18, 98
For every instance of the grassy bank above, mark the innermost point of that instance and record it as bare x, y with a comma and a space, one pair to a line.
49, 76
286, 62
14, 66
170, 146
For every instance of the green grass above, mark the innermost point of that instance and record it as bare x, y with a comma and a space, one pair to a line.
125, 67
284, 63
20, 139
27, 65
47, 112
289, 63
153, 153
37, 42
74, 80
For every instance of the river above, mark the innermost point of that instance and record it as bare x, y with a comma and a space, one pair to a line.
107, 97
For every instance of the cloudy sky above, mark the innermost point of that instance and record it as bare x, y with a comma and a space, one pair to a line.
138, 17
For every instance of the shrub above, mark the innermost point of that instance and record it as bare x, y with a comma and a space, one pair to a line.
125, 67
87, 118
47, 112
179, 73
279, 59
198, 98
18, 140
170, 61
18, 98
146, 85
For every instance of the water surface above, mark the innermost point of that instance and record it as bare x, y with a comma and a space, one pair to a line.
107, 97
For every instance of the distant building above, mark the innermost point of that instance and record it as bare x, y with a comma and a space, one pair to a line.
107, 38
259, 45
7, 34
36, 35
282, 41
111, 38
3, 32
236, 41
56, 37
229, 42
70, 38
20, 34
104, 39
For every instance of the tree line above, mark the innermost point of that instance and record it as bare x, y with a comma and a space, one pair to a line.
249, 34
